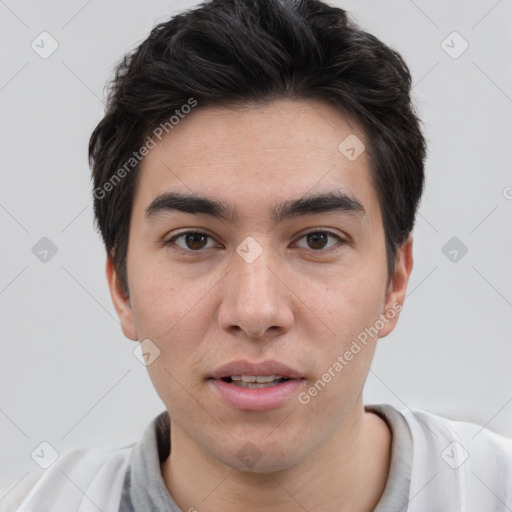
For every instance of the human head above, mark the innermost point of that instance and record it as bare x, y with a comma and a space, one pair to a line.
230, 52
255, 115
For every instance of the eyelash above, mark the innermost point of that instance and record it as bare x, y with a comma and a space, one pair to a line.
190, 251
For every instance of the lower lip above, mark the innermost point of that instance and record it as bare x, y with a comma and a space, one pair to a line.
256, 399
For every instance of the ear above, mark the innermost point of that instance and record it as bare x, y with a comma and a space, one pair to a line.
121, 302
395, 294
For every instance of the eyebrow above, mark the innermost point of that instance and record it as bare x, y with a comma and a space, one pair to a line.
335, 201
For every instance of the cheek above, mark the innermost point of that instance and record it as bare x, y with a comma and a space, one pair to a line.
342, 305
345, 357
350, 308
167, 301
176, 322
359, 308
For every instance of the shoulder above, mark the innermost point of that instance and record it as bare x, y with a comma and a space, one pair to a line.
478, 441
94, 473
463, 462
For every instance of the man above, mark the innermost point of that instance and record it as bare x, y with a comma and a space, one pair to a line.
256, 178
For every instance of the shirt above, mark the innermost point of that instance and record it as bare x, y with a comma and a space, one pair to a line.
456, 466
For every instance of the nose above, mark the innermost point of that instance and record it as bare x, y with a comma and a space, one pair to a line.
256, 301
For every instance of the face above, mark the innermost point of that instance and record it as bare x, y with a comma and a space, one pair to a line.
263, 280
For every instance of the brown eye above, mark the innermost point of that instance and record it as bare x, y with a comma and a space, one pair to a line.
194, 241
318, 240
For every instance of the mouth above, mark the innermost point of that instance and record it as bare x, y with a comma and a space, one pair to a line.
255, 382
255, 386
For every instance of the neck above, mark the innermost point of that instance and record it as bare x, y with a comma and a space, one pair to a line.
349, 470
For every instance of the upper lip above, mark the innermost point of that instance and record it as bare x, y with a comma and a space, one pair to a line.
262, 368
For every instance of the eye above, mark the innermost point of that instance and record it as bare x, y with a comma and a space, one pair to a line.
318, 240
191, 241
196, 241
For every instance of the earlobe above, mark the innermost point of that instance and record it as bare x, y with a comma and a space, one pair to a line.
398, 286
120, 301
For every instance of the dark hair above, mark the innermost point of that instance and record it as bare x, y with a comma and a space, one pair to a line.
229, 52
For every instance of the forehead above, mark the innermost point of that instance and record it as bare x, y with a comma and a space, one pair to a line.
259, 154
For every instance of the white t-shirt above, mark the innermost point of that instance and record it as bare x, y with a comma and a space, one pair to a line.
453, 466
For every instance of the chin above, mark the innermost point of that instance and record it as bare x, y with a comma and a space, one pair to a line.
254, 458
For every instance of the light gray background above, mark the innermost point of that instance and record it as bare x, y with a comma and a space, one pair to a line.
69, 377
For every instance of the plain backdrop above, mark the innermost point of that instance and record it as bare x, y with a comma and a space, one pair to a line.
68, 376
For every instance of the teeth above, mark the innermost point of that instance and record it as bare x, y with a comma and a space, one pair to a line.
269, 378
252, 385
255, 378
256, 381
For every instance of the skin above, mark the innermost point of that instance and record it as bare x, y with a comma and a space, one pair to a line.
299, 305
